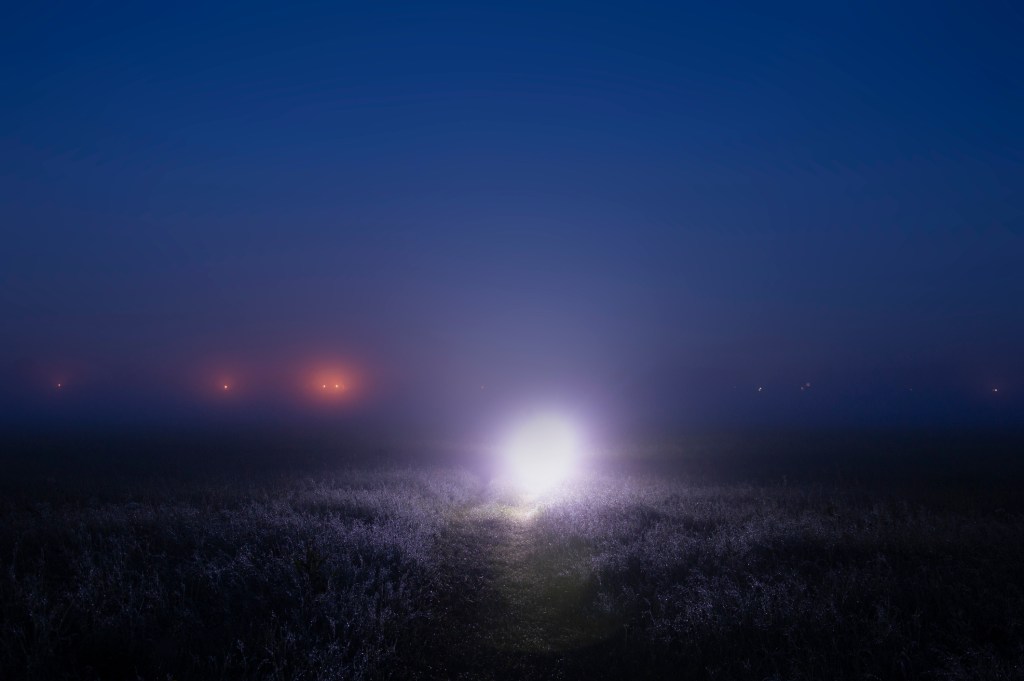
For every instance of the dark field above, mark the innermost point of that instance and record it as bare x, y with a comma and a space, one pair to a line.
832, 556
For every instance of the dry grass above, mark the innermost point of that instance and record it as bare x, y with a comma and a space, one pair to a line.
407, 572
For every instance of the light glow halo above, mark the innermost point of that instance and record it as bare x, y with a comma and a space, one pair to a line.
540, 453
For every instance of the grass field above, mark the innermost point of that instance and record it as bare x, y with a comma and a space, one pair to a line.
398, 570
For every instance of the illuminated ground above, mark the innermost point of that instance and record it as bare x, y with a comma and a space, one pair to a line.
525, 595
659, 578
393, 570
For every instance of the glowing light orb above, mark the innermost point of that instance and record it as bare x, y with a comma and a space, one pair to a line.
540, 454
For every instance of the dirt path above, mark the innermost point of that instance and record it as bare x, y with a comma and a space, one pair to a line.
519, 601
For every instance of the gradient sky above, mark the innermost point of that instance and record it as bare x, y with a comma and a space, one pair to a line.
639, 212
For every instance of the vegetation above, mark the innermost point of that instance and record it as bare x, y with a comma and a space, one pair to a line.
419, 572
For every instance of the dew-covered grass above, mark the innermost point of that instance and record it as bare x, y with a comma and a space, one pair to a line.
404, 571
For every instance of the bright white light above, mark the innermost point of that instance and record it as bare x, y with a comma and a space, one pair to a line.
541, 453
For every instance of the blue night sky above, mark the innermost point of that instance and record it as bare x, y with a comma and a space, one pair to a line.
642, 212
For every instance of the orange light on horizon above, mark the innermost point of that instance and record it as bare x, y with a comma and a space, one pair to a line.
331, 384
224, 385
